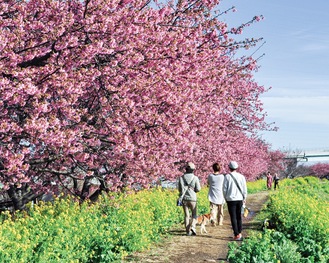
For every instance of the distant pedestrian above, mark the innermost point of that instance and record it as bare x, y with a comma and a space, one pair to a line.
235, 194
276, 181
215, 195
188, 186
269, 181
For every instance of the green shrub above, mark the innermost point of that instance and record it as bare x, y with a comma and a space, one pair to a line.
299, 213
270, 246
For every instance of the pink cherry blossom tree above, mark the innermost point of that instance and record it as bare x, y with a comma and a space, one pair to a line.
320, 170
120, 93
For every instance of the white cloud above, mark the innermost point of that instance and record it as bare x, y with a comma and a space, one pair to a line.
315, 47
308, 110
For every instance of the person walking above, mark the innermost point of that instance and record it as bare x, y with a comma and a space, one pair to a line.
189, 185
269, 181
215, 195
276, 181
235, 194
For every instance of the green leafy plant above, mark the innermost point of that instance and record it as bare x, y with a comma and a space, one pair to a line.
299, 214
270, 246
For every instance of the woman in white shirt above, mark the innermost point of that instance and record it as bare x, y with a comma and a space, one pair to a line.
215, 195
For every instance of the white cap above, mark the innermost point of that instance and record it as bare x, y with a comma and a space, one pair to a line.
191, 165
233, 165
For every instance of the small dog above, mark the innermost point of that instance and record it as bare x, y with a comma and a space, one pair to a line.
202, 221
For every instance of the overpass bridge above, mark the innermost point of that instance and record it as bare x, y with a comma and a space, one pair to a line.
315, 155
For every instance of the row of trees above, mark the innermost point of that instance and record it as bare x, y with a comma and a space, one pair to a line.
294, 169
295, 165
120, 93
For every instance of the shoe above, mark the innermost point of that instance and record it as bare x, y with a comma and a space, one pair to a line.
189, 233
193, 231
238, 237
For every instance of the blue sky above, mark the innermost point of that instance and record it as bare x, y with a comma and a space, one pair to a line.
295, 65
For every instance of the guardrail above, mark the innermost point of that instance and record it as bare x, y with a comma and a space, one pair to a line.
306, 156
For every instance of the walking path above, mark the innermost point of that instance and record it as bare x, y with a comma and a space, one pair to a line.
211, 247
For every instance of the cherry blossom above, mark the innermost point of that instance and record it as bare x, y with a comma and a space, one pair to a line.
125, 92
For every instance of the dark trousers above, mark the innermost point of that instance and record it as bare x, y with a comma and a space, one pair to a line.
276, 184
234, 209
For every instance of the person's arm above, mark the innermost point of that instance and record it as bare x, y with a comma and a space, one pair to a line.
197, 187
244, 188
225, 187
179, 184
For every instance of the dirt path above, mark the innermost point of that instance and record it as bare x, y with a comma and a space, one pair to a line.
211, 247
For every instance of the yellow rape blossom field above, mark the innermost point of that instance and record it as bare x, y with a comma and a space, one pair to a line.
297, 225
120, 224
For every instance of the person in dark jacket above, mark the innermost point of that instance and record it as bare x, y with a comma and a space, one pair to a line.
276, 181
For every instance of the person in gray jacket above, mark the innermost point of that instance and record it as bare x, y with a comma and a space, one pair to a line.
235, 194
189, 185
